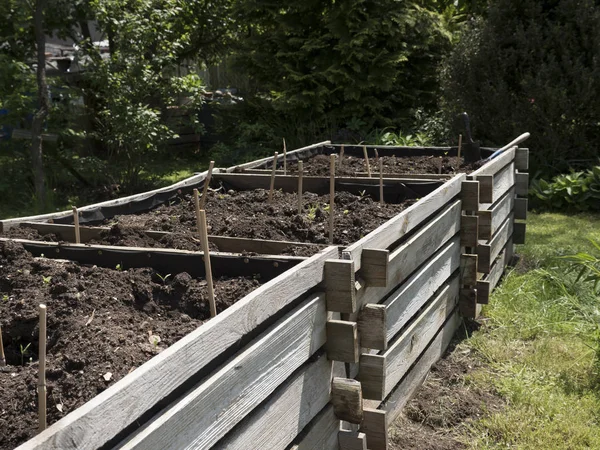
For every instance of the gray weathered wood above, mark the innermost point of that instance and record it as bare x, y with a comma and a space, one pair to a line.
469, 230
321, 433
488, 252
342, 341
401, 176
352, 440
486, 188
503, 181
519, 232
486, 285
277, 422
470, 195
375, 427
217, 404
340, 286
374, 267
467, 303
299, 153
522, 159
495, 165
102, 418
347, 400
522, 183
372, 325
468, 270
521, 208
391, 231
491, 216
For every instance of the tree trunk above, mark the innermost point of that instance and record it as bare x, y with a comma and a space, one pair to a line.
44, 106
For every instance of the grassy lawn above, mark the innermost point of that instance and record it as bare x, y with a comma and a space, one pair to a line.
541, 343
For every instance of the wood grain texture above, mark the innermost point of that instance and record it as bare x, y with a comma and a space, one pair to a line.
340, 286
486, 285
371, 374
210, 410
103, 417
467, 303
277, 422
522, 184
321, 433
469, 229
495, 165
342, 341
522, 159
521, 205
469, 195
298, 153
488, 252
486, 188
468, 270
372, 324
374, 267
347, 400
352, 440
493, 215
391, 231
503, 181
375, 427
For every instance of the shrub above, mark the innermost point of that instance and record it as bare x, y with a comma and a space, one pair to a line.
578, 191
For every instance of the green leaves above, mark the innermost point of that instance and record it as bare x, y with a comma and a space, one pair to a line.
578, 191
586, 265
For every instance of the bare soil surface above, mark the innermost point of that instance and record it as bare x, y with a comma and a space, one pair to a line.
102, 324
434, 418
320, 165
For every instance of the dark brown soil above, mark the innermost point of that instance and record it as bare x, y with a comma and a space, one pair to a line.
320, 165
443, 405
247, 214
100, 321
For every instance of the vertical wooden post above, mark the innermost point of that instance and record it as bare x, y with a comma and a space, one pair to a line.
273, 177
331, 196
197, 208
76, 225
2, 357
341, 157
381, 181
206, 183
207, 267
459, 145
300, 173
366, 155
42, 371
440, 164
284, 158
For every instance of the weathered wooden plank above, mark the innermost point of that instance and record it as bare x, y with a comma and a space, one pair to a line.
347, 400
486, 253
519, 232
342, 341
321, 433
371, 374
522, 159
467, 303
206, 413
405, 350
503, 181
486, 285
102, 418
495, 214
496, 164
372, 324
468, 270
374, 267
469, 195
375, 427
412, 295
352, 440
298, 153
340, 286
390, 232
469, 230
401, 176
522, 183
277, 422
486, 188
413, 380
521, 208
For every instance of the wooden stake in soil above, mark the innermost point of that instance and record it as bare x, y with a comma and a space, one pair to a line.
331, 196
440, 165
207, 268
42, 371
300, 173
273, 177
341, 157
367, 160
197, 208
284, 158
459, 145
76, 225
381, 181
2, 357
206, 183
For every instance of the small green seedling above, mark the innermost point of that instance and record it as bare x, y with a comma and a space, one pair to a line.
346, 211
24, 352
47, 279
5, 298
312, 212
362, 193
163, 279
119, 267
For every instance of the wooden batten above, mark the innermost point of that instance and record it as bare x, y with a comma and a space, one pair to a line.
298, 153
339, 286
489, 251
503, 181
372, 325
495, 165
469, 231
371, 374
469, 194
522, 183
486, 188
352, 440
342, 341
321, 433
519, 232
468, 270
347, 400
495, 214
374, 267
522, 159
467, 303
374, 425
521, 208
486, 285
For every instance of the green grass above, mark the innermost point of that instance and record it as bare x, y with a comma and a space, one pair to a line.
542, 342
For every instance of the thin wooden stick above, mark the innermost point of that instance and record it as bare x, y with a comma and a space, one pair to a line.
459, 144
440, 165
273, 177
284, 158
42, 371
376, 155
2, 357
341, 157
197, 208
76, 225
206, 183
300, 173
207, 267
381, 181
367, 160
331, 196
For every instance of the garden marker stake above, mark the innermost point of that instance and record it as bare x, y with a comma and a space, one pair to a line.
381, 181
459, 146
284, 158
300, 173
197, 208
440, 165
207, 268
273, 177
42, 371
331, 196
376, 156
76, 225
367, 160
2, 357
206, 184
341, 156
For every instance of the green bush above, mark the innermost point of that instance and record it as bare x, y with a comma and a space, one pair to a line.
578, 191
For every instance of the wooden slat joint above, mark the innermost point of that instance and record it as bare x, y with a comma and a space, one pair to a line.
347, 400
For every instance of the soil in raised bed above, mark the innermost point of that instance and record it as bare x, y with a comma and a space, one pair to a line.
247, 214
319, 165
102, 324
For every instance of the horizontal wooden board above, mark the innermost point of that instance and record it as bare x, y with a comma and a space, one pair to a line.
277, 422
494, 166
206, 413
102, 418
321, 433
503, 181
492, 216
486, 285
486, 253
394, 229
297, 153
401, 176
